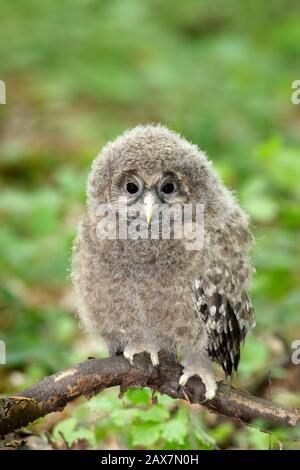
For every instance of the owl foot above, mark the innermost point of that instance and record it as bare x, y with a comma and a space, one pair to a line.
205, 375
129, 352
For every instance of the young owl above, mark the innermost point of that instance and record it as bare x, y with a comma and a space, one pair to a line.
157, 293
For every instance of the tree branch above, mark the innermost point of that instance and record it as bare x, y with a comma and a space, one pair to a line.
94, 375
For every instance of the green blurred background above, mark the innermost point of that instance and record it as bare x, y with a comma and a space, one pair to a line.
77, 74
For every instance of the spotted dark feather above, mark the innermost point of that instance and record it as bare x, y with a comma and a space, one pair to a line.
225, 330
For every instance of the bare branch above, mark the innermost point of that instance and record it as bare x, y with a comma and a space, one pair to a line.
94, 375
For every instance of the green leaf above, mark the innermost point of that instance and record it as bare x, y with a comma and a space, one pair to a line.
65, 428
259, 440
83, 433
258, 201
145, 434
105, 402
156, 414
222, 432
123, 417
141, 396
176, 429
254, 356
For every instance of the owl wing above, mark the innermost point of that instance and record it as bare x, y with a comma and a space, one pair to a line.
226, 326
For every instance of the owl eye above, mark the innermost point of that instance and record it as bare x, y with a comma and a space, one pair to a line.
132, 188
168, 188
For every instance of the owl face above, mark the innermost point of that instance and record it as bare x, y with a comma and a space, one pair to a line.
147, 192
151, 166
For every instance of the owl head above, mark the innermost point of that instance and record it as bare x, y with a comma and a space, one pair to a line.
149, 166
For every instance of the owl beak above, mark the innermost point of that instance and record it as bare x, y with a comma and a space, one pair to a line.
149, 207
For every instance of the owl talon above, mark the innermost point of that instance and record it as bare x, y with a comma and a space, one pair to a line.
129, 356
183, 379
154, 359
210, 392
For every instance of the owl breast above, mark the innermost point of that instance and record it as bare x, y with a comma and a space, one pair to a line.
149, 300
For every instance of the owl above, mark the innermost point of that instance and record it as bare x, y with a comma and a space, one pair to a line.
153, 293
